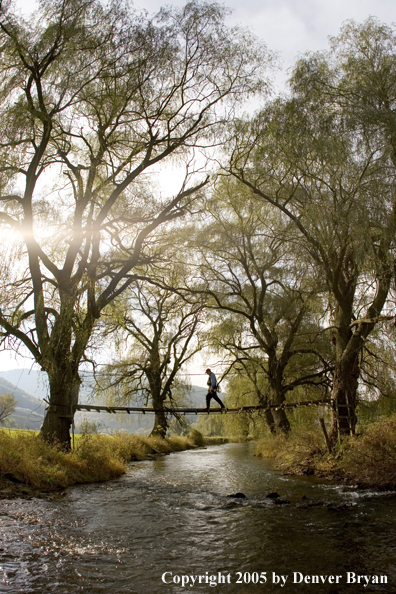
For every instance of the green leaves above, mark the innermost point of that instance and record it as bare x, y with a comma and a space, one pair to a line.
8, 403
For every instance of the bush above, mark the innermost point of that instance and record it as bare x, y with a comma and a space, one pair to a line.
88, 428
368, 459
371, 458
197, 438
8, 404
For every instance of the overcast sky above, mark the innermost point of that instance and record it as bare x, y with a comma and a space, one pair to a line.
292, 27
288, 27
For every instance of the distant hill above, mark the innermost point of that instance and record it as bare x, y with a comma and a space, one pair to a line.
30, 387
29, 380
29, 413
35, 382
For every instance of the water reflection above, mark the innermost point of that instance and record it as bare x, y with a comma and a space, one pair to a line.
174, 515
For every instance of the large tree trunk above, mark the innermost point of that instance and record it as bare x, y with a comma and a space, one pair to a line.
160, 425
157, 398
349, 338
346, 371
345, 386
276, 395
282, 425
160, 421
281, 422
64, 389
269, 417
276, 420
62, 353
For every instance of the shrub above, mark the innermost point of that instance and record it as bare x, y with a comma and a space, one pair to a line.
197, 438
371, 458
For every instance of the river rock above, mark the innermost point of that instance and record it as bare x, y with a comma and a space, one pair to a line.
273, 495
336, 508
238, 496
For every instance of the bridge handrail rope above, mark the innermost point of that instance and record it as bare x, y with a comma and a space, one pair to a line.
195, 410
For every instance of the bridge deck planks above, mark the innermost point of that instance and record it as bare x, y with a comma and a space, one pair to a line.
196, 411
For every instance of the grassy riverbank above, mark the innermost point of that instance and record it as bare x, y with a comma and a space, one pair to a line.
29, 466
367, 459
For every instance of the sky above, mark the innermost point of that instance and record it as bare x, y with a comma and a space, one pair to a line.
292, 27
288, 27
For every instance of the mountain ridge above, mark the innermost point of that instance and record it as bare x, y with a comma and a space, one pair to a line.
30, 409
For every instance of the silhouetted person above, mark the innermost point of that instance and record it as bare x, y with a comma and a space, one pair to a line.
212, 390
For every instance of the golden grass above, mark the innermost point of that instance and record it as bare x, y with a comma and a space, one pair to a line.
217, 440
301, 452
96, 458
368, 459
371, 458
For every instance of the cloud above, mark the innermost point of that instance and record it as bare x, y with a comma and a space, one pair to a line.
292, 27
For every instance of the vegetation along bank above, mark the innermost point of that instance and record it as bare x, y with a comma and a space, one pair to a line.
287, 281
31, 467
367, 459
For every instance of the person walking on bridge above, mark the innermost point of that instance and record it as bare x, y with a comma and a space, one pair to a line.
212, 390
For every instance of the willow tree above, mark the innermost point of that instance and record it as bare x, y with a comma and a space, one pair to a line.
326, 159
357, 77
265, 299
155, 332
93, 98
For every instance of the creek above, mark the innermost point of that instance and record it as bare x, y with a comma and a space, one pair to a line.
173, 517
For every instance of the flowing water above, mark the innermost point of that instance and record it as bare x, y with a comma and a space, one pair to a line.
172, 518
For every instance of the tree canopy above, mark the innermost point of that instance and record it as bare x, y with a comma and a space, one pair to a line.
157, 332
262, 297
92, 99
326, 161
291, 244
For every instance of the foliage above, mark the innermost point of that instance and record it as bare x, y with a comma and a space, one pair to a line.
303, 453
196, 437
9, 423
293, 256
48, 467
88, 428
209, 425
266, 299
8, 403
179, 426
241, 391
156, 333
325, 163
93, 98
368, 458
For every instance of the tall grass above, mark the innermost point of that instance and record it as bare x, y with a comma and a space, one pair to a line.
96, 458
368, 458
371, 459
303, 452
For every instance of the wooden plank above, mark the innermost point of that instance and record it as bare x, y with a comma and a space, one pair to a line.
322, 424
196, 411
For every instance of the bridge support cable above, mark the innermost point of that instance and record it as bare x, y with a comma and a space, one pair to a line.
197, 411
